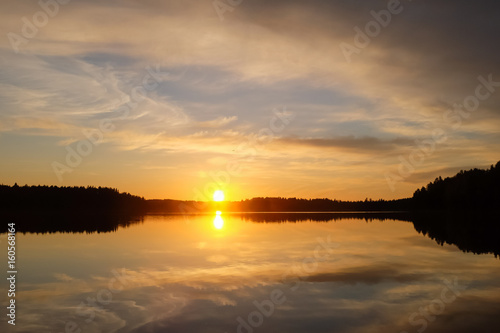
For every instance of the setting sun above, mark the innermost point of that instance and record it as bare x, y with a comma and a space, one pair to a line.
218, 196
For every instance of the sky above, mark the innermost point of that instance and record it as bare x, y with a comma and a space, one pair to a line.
312, 99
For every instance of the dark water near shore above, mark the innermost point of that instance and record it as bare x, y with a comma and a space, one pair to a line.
247, 273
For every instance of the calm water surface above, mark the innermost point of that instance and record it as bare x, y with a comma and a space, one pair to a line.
228, 273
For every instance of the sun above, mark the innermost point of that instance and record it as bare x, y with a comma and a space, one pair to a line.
218, 196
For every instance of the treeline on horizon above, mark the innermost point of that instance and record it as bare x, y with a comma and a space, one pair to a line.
77, 199
474, 189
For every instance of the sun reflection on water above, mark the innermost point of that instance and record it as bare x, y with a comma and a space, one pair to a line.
218, 221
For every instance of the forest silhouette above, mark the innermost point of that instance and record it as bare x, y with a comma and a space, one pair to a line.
460, 210
473, 190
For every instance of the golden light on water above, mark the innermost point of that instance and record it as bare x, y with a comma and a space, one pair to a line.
218, 196
218, 221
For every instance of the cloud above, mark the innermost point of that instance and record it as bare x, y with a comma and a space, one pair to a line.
369, 275
223, 79
219, 122
350, 143
63, 277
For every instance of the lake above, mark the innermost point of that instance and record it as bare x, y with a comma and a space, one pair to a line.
253, 273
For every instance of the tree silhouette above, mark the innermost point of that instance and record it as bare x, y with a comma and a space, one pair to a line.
468, 190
